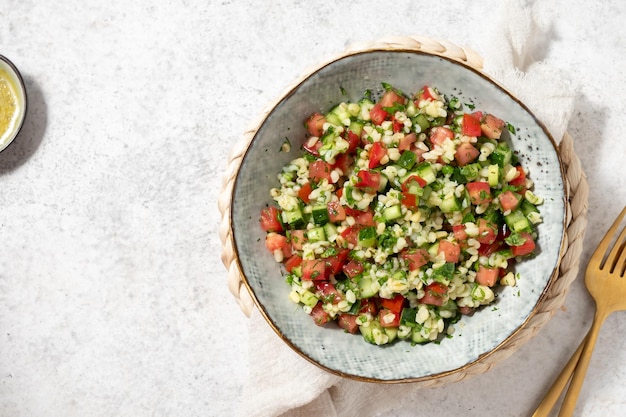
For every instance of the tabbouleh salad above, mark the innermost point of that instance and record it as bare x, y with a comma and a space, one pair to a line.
401, 215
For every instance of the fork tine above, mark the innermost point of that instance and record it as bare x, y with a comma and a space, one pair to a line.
603, 248
617, 258
620, 263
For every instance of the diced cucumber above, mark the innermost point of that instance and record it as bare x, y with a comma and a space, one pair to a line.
391, 332
407, 160
383, 182
426, 172
433, 249
330, 230
320, 214
468, 172
368, 331
367, 237
422, 122
368, 287
502, 155
517, 221
356, 128
392, 213
450, 204
408, 317
341, 111
333, 119
411, 110
527, 208
316, 234
416, 336
308, 298
294, 218
493, 175
374, 327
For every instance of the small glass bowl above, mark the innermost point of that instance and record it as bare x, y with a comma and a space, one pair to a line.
11, 78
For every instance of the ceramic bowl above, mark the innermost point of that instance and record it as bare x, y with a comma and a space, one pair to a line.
477, 336
12, 87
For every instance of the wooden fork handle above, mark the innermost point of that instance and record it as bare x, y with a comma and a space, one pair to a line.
559, 384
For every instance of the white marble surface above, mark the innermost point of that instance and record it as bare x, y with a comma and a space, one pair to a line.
113, 299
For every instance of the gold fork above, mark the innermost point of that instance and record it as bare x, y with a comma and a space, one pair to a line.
605, 281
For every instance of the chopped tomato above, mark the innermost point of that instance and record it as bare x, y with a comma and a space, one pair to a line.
479, 192
368, 180
270, 221
368, 307
487, 276
353, 268
396, 125
378, 115
313, 269
426, 93
478, 115
313, 146
466, 153
336, 212
459, 232
390, 98
376, 154
327, 291
451, 251
351, 234
304, 192
409, 200
416, 258
293, 262
520, 180
439, 134
297, 238
348, 322
488, 249
509, 200
315, 124
276, 241
487, 232
353, 141
319, 170
525, 248
491, 126
365, 218
344, 162
434, 294
394, 304
471, 125
407, 141
407, 184
334, 264
388, 318
320, 316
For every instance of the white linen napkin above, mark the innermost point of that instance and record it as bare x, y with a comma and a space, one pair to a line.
283, 383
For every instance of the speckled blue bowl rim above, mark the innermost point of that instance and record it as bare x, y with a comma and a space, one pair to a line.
483, 355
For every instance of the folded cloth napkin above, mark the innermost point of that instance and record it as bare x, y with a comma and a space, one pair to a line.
283, 383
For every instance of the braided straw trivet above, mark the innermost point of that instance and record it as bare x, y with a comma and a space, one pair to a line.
576, 211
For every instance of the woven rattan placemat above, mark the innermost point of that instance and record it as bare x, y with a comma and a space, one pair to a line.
575, 222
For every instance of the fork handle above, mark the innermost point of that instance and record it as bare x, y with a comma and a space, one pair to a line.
559, 384
569, 402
